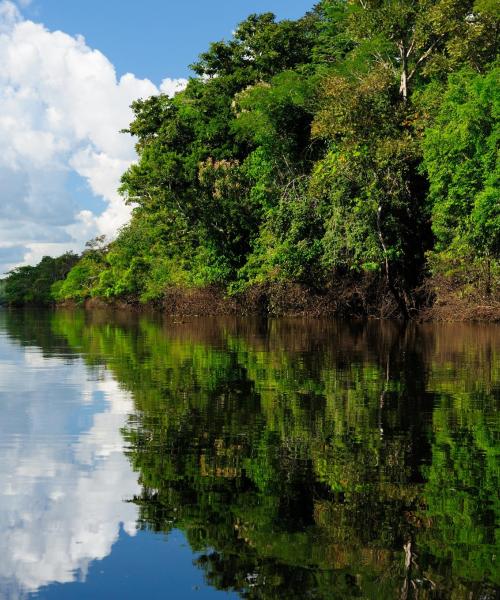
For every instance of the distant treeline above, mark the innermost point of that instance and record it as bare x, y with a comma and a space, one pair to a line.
36, 285
358, 144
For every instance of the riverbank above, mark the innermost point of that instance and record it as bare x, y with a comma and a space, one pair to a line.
294, 300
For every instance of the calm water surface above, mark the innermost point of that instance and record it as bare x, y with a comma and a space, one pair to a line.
280, 459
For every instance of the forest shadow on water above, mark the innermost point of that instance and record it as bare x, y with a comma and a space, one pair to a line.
303, 458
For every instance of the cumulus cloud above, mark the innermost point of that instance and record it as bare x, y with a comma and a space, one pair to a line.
62, 107
64, 473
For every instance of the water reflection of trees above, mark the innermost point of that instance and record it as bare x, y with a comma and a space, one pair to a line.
317, 459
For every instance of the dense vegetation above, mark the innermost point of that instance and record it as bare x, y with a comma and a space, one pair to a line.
36, 285
332, 460
353, 149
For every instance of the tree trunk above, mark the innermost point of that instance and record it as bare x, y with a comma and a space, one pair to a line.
388, 274
403, 87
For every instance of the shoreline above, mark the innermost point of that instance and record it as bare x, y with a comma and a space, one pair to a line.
292, 300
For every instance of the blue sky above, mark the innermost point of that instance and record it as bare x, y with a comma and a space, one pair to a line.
154, 38
70, 70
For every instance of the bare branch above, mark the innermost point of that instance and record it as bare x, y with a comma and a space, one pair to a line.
424, 56
411, 48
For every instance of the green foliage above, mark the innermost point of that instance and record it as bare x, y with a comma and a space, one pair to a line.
3, 297
260, 48
35, 285
276, 116
461, 159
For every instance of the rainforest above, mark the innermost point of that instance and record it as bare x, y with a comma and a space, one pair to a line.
343, 163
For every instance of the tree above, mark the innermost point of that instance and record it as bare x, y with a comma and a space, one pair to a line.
461, 161
413, 38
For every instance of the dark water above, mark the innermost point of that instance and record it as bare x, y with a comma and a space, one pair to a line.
226, 459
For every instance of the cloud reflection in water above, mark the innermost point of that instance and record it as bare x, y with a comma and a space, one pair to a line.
63, 474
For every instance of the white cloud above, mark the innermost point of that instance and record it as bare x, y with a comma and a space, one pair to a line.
172, 86
61, 110
9, 15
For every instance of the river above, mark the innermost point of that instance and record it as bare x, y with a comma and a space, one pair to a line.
243, 458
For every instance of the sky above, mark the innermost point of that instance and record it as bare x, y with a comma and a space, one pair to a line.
70, 70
